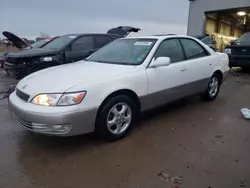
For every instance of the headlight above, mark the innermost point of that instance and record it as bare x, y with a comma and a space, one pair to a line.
227, 50
46, 59
46, 99
58, 99
71, 99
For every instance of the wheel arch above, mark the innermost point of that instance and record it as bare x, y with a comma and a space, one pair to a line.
220, 74
127, 92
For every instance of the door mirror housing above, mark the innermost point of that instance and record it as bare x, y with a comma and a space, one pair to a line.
161, 61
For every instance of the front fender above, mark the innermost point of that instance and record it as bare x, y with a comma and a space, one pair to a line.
98, 92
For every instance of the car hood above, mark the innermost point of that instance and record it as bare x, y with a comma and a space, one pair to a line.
17, 41
240, 44
61, 78
32, 53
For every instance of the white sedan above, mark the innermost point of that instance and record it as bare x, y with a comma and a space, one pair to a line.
106, 92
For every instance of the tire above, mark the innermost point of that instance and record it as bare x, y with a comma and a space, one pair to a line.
120, 122
213, 88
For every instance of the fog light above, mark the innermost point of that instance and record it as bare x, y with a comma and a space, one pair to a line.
61, 128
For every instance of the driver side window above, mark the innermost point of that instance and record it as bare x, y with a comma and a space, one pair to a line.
171, 48
84, 43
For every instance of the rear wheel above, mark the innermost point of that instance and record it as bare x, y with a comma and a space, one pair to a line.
213, 88
116, 118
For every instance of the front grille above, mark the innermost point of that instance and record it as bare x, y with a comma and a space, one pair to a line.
241, 51
22, 95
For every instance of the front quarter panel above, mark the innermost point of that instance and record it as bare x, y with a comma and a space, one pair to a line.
97, 92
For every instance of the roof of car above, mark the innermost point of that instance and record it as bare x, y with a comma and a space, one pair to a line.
82, 34
158, 36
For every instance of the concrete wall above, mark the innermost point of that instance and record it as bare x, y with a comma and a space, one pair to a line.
197, 9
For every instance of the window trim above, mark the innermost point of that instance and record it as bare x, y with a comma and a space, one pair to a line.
184, 54
179, 38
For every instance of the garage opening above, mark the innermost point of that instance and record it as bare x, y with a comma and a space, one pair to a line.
227, 25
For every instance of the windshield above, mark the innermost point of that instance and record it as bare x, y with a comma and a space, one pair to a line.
244, 38
59, 42
124, 51
37, 44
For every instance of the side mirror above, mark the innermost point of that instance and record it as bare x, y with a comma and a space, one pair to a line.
161, 61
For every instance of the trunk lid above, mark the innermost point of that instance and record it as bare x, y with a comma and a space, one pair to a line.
123, 30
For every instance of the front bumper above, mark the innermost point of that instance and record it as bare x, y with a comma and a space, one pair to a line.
239, 60
71, 122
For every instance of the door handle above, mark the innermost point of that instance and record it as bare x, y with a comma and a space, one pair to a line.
210, 64
183, 70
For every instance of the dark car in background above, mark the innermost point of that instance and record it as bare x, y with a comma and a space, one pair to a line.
2, 59
239, 52
21, 44
41, 43
64, 49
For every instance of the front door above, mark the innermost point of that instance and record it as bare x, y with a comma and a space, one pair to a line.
165, 83
80, 49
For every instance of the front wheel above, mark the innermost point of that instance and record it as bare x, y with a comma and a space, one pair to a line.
213, 88
116, 118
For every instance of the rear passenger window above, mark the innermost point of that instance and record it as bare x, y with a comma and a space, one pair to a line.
84, 43
193, 49
101, 41
170, 48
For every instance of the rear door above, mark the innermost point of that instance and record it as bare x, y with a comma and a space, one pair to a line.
200, 64
80, 49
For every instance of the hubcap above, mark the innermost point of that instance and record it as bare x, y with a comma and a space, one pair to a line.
119, 118
213, 86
